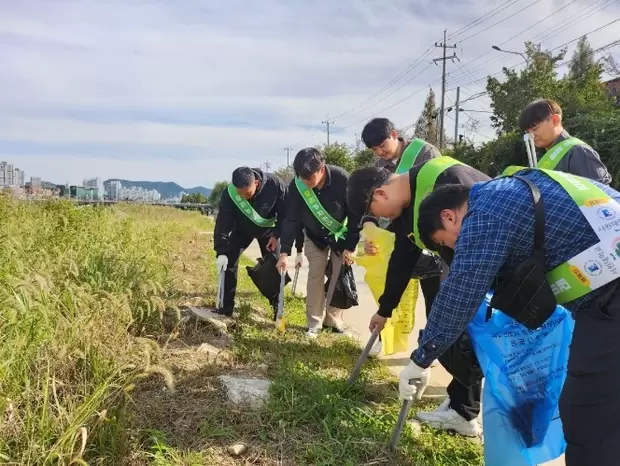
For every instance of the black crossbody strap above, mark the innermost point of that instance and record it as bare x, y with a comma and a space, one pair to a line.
539, 217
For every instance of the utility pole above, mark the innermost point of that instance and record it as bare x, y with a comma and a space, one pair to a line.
443, 59
328, 123
288, 156
267, 166
456, 118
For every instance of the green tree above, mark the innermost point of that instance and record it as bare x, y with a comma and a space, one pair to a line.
217, 191
426, 124
194, 198
537, 80
583, 89
364, 158
339, 154
285, 173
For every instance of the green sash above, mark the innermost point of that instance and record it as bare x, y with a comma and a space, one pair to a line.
247, 209
337, 229
599, 264
424, 184
409, 156
553, 156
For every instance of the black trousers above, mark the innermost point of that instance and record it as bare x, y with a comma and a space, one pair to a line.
237, 243
464, 400
589, 404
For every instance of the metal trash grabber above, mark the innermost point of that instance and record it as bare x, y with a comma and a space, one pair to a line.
531, 150
402, 418
220, 291
332, 284
360, 361
294, 285
280, 321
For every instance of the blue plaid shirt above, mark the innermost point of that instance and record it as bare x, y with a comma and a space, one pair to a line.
497, 234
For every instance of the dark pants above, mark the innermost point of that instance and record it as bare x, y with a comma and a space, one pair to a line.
237, 243
589, 404
464, 400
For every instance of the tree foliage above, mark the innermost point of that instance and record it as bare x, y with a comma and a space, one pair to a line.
286, 174
194, 198
217, 191
426, 124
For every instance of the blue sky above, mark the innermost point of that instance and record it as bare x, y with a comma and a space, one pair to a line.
188, 90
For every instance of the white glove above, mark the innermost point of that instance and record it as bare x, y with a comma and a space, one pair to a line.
419, 379
299, 260
221, 263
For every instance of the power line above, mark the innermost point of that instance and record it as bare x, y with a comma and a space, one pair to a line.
563, 25
501, 21
484, 17
470, 72
551, 50
409, 68
395, 90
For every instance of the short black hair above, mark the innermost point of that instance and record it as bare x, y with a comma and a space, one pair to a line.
537, 112
362, 183
307, 162
243, 177
376, 131
449, 196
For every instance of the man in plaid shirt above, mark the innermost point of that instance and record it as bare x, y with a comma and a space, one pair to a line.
490, 226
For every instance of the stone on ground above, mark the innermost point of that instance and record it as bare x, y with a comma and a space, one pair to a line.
218, 322
416, 427
238, 449
253, 393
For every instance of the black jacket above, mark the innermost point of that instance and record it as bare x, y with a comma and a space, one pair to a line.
406, 253
269, 201
333, 198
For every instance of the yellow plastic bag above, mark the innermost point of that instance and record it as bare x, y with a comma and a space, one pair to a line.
395, 335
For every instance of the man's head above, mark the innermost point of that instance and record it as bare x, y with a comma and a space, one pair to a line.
381, 137
542, 118
245, 182
309, 166
370, 191
441, 215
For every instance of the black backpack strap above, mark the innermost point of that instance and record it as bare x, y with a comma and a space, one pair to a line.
539, 216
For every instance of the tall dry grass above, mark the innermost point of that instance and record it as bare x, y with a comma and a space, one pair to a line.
78, 286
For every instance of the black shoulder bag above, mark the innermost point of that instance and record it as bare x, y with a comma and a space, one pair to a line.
526, 296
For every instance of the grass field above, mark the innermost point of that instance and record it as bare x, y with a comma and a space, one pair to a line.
101, 365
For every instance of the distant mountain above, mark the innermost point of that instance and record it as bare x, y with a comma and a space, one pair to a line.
167, 189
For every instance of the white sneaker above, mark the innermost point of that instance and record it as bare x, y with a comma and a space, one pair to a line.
446, 418
376, 349
313, 333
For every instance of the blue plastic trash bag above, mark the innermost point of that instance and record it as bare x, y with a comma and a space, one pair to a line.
524, 372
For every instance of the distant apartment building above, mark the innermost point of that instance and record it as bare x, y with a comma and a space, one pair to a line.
113, 190
11, 175
138, 194
613, 88
35, 182
95, 184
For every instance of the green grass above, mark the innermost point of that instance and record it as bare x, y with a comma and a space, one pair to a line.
97, 367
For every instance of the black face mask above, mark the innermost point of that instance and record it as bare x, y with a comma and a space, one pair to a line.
526, 296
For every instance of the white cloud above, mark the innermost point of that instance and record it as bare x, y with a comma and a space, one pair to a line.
89, 84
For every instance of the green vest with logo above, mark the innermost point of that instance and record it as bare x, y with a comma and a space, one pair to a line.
553, 156
424, 185
599, 264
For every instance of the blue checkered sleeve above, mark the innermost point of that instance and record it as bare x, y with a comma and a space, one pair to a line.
481, 249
